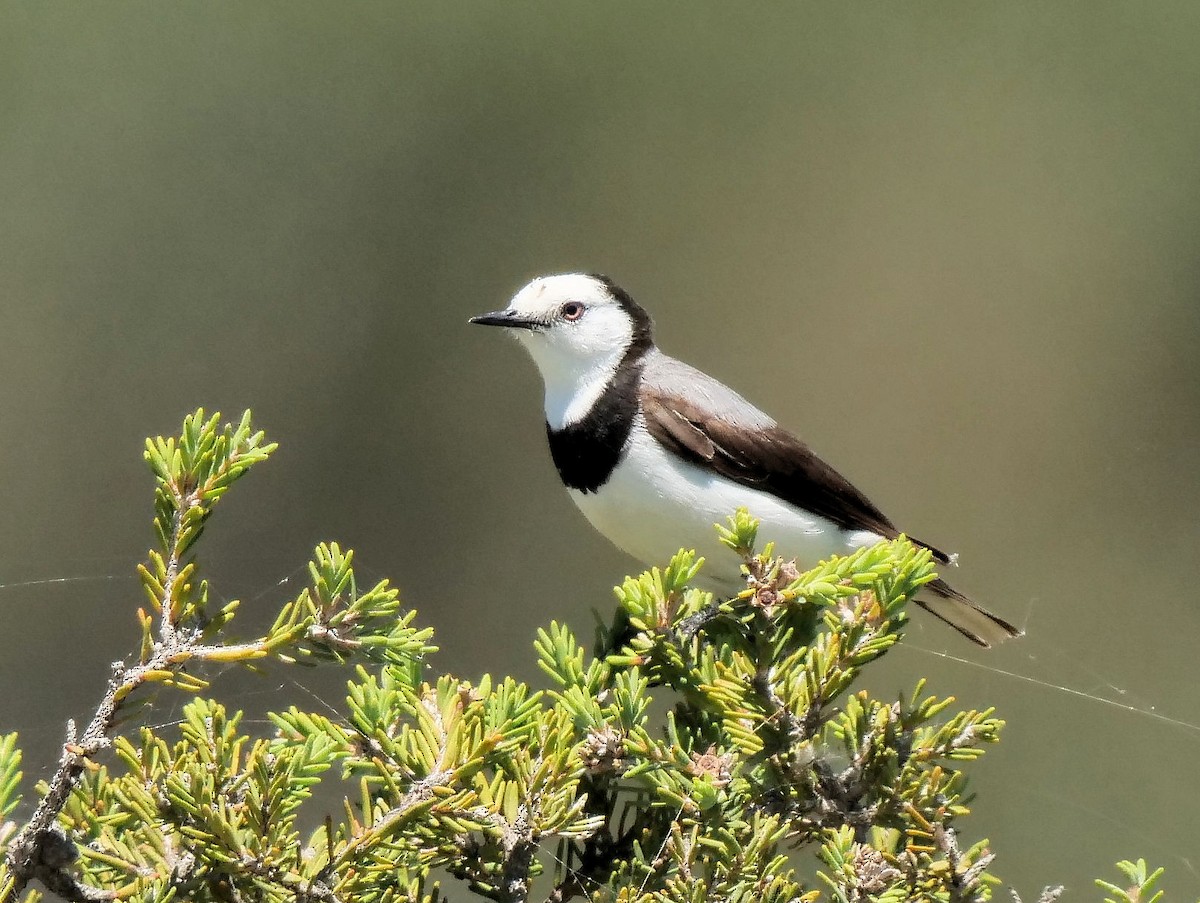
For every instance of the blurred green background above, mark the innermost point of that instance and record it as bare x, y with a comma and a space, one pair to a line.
952, 245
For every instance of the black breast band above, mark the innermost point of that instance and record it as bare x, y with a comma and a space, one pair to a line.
587, 451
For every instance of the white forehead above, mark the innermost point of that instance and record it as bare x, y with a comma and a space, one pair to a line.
547, 292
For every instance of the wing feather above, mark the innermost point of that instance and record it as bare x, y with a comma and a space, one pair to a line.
733, 438
765, 457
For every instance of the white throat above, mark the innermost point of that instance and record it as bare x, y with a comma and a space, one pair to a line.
573, 386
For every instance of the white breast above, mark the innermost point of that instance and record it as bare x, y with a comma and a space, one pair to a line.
655, 504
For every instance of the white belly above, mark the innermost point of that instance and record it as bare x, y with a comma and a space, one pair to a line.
654, 504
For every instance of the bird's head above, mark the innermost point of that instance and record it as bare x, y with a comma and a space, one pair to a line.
577, 328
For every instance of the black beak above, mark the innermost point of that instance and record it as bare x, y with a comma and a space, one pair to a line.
509, 318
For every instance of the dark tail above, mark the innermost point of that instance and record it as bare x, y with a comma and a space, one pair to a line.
977, 624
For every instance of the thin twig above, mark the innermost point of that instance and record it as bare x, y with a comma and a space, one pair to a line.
421, 793
520, 846
28, 854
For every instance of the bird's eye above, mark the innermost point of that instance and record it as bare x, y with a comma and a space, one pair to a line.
572, 310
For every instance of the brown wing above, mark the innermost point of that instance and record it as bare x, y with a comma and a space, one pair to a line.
767, 458
763, 456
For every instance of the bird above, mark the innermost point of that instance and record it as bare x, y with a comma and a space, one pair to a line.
655, 452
